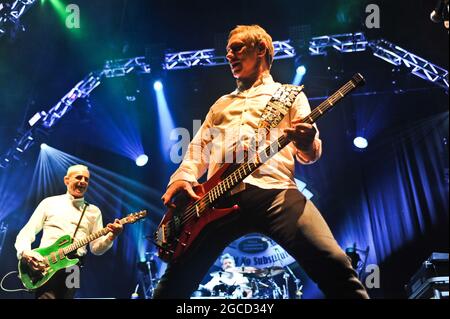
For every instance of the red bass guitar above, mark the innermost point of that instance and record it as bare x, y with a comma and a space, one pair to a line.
181, 226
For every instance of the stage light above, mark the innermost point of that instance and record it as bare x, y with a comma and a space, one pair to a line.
44, 146
36, 117
299, 74
301, 70
141, 160
360, 142
157, 86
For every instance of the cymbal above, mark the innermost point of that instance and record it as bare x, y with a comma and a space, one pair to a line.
222, 274
271, 271
244, 270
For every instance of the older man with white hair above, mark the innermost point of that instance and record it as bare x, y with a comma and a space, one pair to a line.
61, 215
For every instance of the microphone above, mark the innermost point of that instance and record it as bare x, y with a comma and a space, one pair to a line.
437, 15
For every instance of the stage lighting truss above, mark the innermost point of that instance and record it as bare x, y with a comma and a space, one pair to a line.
188, 59
348, 42
208, 57
344, 43
81, 90
123, 67
10, 14
420, 67
389, 52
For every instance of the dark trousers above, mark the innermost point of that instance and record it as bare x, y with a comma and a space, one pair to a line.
286, 217
56, 287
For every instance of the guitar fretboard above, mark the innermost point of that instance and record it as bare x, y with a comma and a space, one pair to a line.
83, 242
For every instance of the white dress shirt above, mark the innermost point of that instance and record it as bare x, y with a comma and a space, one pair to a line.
58, 216
235, 117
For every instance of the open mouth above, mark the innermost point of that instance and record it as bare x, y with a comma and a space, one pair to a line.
81, 189
235, 65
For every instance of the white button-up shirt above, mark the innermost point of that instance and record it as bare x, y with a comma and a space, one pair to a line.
235, 117
58, 216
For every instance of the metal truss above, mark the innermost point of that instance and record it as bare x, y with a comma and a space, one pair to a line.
348, 42
122, 67
207, 57
188, 59
344, 43
420, 67
10, 14
389, 52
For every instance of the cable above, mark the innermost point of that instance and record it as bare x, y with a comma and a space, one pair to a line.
9, 290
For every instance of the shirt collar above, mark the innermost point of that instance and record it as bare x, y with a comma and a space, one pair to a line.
77, 202
259, 88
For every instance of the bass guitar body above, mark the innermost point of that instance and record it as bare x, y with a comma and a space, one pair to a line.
180, 226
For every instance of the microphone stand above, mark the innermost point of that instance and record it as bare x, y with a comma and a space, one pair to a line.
150, 275
297, 282
286, 294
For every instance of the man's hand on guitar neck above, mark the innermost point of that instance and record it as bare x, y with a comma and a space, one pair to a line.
302, 135
115, 229
175, 188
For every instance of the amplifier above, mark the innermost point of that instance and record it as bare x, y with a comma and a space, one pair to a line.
431, 281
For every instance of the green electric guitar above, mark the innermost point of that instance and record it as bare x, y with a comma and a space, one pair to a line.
56, 256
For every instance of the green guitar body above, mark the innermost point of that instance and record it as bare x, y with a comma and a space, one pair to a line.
54, 259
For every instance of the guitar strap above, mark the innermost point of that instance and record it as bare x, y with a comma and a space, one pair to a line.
86, 204
274, 112
278, 106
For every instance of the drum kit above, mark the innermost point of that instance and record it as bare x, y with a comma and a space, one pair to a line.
259, 283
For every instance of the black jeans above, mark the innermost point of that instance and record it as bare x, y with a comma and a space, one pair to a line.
56, 287
286, 217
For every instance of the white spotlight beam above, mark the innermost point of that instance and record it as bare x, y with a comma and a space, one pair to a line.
3, 230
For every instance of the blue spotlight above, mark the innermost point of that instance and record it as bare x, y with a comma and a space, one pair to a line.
158, 86
301, 70
44, 146
141, 160
299, 74
166, 123
360, 142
